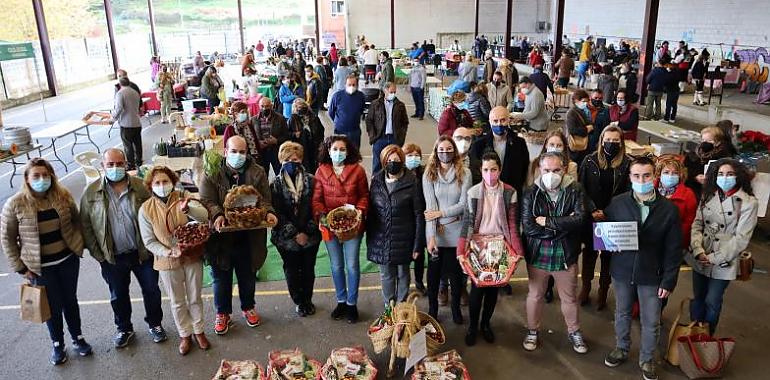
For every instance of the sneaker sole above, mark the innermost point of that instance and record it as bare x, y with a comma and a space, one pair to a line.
649, 378
61, 362
580, 352
253, 325
128, 341
227, 328
611, 365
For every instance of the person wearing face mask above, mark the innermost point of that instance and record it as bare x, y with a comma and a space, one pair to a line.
346, 109
455, 115
314, 93
386, 123
603, 174
125, 114
671, 173
578, 126
165, 84
445, 187
413, 163
271, 131
296, 236
553, 217
648, 274
556, 142
627, 80
492, 209
387, 74
395, 229
210, 86
109, 212
242, 126
600, 117
463, 138
534, 106
306, 129
41, 236
291, 88
242, 252
509, 147
625, 114
298, 68
182, 275
418, 78
714, 145
724, 223
499, 92
341, 180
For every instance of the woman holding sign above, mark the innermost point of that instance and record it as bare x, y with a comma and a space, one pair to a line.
489, 217
42, 237
722, 229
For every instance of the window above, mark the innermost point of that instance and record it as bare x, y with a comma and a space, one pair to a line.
338, 7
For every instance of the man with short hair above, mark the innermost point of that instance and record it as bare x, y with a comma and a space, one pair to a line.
541, 80
418, 78
464, 138
346, 109
498, 92
120, 73
271, 131
600, 118
386, 123
511, 149
126, 114
109, 212
553, 217
648, 274
534, 106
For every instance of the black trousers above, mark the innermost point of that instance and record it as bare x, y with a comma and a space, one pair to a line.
589, 264
444, 267
481, 302
132, 144
299, 268
419, 268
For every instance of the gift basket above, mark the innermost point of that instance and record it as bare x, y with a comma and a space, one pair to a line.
381, 330
344, 222
292, 365
434, 333
448, 365
190, 237
349, 363
242, 210
240, 370
489, 260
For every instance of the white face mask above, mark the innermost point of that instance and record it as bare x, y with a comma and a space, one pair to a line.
163, 190
551, 180
550, 149
462, 146
350, 89
390, 97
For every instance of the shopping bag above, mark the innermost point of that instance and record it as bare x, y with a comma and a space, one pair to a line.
702, 356
34, 304
680, 330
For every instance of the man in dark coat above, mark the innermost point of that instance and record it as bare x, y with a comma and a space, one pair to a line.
386, 123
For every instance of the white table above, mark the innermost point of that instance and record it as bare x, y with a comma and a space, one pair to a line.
22, 152
175, 163
62, 129
668, 132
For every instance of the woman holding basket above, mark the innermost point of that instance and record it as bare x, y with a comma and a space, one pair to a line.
182, 275
341, 181
492, 209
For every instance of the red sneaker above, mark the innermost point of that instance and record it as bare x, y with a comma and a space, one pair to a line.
222, 324
252, 318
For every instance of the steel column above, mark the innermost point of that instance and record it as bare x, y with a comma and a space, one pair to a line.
111, 33
317, 31
240, 26
476, 23
508, 21
558, 30
45, 46
648, 46
392, 25
152, 28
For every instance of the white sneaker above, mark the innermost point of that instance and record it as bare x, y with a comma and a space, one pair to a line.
578, 344
530, 342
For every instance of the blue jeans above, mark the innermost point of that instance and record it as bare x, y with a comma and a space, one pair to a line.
240, 263
344, 258
353, 136
707, 299
582, 69
649, 315
672, 100
118, 278
395, 282
378, 146
61, 285
418, 95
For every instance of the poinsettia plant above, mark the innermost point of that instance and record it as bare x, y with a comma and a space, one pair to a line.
753, 141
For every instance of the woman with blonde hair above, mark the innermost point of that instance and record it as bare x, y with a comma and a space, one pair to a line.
603, 174
42, 238
182, 276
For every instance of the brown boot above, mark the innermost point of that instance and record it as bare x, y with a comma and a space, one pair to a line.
464, 296
184, 345
443, 296
202, 341
601, 298
585, 294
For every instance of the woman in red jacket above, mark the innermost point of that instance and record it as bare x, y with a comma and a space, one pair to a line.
340, 180
671, 174
455, 115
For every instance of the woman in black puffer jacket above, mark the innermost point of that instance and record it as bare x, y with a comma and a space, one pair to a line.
478, 104
395, 232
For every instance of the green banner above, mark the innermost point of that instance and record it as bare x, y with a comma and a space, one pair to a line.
10, 52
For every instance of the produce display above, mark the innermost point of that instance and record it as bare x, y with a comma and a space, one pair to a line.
489, 260
212, 162
344, 222
291, 365
444, 366
242, 210
349, 363
240, 370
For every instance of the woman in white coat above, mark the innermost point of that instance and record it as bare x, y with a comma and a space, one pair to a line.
724, 223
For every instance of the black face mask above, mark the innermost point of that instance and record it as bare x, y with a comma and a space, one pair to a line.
706, 146
394, 167
265, 112
611, 149
597, 103
446, 157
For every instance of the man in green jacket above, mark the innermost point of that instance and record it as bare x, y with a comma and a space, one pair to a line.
108, 211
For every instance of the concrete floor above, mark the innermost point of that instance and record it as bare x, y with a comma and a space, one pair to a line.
25, 347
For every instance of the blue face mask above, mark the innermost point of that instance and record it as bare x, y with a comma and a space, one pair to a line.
412, 162
40, 185
643, 188
236, 160
726, 183
337, 156
669, 180
242, 117
461, 106
115, 174
498, 129
291, 168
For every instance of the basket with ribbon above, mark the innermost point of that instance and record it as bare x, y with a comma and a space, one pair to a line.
489, 260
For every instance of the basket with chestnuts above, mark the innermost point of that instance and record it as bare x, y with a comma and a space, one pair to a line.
242, 211
344, 222
191, 237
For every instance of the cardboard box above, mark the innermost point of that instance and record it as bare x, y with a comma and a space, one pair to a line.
665, 148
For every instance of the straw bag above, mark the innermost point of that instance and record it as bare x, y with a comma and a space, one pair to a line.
380, 336
679, 330
191, 238
702, 356
406, 324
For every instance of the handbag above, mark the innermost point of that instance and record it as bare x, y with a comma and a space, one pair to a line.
702, 356
577, 143
679, 330
34, 303
745, 266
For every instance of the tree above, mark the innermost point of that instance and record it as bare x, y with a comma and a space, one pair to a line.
71, 18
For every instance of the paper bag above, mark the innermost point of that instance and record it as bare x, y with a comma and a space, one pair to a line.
34, 304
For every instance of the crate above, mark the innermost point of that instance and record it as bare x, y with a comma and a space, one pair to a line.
185, 151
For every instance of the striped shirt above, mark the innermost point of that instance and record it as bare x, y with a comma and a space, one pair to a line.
53, 248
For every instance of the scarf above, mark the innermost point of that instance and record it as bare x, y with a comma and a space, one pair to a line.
716, 153
666, 192
244, 130
295, 186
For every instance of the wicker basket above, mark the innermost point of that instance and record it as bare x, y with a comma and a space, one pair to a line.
406, 324
240, 369
347, 233
241, 207
274, 364
433, 344
354, 355
381, 338
192, 249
